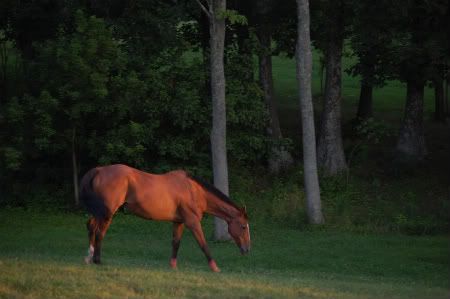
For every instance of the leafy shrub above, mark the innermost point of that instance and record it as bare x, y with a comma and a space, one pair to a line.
89, 95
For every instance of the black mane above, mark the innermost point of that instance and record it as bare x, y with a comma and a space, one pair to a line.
219, 194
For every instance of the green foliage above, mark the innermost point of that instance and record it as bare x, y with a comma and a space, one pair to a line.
29, 120
12, 158
78, 67
97, 94
371, 130
233, 17
364, 202
368, 133
382, 206
246, 112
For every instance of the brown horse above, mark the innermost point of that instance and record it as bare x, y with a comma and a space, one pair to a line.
175, 196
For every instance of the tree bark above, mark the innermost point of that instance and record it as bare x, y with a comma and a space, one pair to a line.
75, 169
321, 72
365, 110
411, 140
218, 132
279, 158
304, 70
447, 83
331, 158
439, 112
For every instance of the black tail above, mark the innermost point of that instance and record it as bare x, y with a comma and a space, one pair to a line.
93, 203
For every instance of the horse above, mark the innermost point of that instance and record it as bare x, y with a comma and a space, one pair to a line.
175, 196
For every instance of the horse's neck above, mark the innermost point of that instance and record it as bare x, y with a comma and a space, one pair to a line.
220, 208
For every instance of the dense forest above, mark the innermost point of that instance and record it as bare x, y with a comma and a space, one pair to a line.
88, 83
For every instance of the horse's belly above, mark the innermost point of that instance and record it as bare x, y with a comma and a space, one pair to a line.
156, 209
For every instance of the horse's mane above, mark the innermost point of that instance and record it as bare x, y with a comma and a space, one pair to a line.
212, 189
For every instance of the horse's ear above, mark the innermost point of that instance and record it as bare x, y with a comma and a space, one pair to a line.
244, 209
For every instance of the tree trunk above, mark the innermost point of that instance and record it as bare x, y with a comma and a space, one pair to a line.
365, 101
439, 112
218, 132
4, 71
447, 112
279, 158
75, 169
304, 70
331, 158
321, 72
411, 140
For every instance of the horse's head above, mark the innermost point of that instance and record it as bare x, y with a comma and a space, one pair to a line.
240, 231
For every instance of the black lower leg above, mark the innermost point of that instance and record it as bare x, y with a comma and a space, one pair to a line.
97, 248
176, 238
99, 235
175, 247
205, 250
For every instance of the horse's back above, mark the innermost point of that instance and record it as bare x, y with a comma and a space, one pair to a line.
158, 196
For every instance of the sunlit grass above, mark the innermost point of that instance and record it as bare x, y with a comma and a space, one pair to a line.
41, 257
388, 101
390, 96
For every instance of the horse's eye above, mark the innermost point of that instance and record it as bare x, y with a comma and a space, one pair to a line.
243, 226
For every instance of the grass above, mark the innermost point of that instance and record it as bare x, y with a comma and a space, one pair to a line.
41, 257
389, 100
389, 97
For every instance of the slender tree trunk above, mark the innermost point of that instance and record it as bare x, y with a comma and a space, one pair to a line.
279, 158
365, 102
322, 72
331, 158
4, 71
439, 112
411, 140
75, 168
365, 99
304, 69
447, 112
218, 132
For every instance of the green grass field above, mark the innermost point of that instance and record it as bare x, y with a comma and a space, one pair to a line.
390, 97
388, 101
41, 256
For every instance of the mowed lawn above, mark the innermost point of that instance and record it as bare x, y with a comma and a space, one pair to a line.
41, 256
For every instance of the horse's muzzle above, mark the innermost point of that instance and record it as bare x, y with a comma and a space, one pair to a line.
245, 250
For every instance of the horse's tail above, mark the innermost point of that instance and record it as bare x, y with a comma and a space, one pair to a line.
93, 203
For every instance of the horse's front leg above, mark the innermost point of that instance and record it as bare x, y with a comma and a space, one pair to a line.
197, 231
177, 233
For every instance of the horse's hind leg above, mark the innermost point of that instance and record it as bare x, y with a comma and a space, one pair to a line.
102, 227
91, 227
177, 233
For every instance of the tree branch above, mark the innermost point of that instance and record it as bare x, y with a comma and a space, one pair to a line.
204, 9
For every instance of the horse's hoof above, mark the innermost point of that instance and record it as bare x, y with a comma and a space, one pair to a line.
173, 264
88, 260
213, 266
